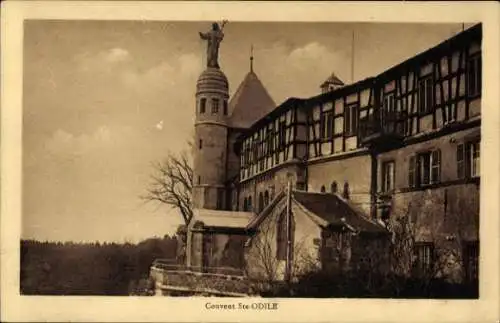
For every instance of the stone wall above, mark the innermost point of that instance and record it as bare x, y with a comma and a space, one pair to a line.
356, 171
445, 214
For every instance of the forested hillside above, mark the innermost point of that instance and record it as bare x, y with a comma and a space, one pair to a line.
50, 268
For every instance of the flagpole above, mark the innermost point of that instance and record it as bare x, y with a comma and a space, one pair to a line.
352, 58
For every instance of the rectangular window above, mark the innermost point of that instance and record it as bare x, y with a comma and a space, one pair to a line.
388, 176
468, 160
425, 168
424, 163
425, 95
282, 135
471, 260
351, 119
474, 159
474, 76
326, 125
203, 105
200, 144
389, 106
255, 148
424, 253
215, 105
436, 166
270, 141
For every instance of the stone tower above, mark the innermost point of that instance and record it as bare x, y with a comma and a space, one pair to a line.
210, 146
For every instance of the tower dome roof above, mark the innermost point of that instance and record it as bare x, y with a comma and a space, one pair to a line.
212, 80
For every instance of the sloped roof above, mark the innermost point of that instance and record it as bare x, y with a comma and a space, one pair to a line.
333, 79
218, 218
256, 221
336, 211
250, 102
325, 209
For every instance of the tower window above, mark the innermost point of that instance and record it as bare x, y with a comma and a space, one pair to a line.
215, 105
199, 179
225, 107
203, 105
323, 189
200, 144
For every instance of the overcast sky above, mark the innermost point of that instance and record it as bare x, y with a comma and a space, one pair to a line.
104, 100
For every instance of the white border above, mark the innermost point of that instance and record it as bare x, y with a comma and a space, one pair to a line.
114, 309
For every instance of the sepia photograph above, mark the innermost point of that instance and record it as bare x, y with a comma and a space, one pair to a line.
284, 159
224, 159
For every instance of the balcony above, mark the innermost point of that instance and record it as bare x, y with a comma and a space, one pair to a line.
178, 280
383, 133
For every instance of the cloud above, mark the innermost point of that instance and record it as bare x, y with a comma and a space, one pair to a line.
116, 55
63, 143
175, 74
105, 61
299, 70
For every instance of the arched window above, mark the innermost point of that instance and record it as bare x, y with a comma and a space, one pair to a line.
261, 202
249, 203
346, 192
266, 198
323, 189
334, 187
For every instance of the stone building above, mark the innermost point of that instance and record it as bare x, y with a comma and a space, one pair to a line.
325, 181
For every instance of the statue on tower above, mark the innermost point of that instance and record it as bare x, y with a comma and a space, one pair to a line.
213, 38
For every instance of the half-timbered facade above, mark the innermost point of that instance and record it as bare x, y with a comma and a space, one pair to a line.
404, 143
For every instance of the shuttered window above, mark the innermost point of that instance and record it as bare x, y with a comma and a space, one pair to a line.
468, 160
436, 166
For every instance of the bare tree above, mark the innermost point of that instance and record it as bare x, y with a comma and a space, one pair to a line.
172, 184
